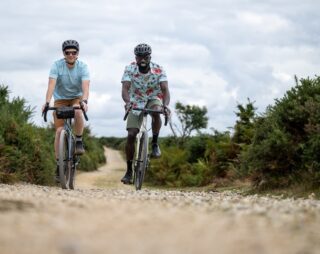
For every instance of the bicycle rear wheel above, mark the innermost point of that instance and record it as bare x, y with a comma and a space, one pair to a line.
64, 163
142, 161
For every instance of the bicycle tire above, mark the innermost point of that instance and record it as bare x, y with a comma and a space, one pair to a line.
64, 165
142, 161
72, 177
73, 169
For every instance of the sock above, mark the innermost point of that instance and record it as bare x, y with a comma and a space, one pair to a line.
129, 165
78, 138
155, 138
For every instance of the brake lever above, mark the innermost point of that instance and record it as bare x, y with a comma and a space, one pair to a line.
127, 112
45, 111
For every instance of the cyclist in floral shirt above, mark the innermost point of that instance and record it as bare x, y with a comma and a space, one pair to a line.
144, 83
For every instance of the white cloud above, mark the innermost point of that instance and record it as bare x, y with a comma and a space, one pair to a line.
264, 23
215, 53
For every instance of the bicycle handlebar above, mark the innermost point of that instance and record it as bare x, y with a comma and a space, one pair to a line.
147, 111
45, 111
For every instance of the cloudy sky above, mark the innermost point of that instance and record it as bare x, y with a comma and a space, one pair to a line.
216, 53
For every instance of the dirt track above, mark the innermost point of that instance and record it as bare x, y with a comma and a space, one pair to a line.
104, 216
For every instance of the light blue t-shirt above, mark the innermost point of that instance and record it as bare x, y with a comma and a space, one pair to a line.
69, 81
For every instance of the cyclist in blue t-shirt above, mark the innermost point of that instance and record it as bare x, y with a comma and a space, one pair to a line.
69, 84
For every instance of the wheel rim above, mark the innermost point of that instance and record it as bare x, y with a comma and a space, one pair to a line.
62, 158
142, 161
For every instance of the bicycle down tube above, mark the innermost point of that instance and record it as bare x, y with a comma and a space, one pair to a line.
142, 141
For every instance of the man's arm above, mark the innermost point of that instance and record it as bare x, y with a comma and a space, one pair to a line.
51, 86
165, 91
85, 89
85, 93
125, 91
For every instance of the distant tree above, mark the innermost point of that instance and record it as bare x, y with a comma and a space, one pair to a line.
244, 127
191, 117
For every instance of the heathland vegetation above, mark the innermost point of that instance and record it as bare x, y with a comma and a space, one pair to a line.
275, 149
26, 151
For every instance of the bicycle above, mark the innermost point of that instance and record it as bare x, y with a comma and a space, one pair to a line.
142, 157
68, 160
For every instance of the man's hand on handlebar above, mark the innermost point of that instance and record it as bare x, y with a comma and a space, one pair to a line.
84, 105
45, 108
166, 111
127, 106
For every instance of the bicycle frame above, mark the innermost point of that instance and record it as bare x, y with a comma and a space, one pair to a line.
68, 160
71, 139
143, 129
141, 161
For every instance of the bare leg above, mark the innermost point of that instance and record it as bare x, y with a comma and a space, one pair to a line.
132, 134
56, 142
156, 126
78, 123
78, 128
156, 121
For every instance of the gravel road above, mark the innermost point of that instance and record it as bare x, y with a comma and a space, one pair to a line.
104, 216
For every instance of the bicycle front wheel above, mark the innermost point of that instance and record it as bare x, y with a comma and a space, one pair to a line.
142, 161
73, 172
64, 163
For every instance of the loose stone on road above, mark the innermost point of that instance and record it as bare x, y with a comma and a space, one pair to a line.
104, 216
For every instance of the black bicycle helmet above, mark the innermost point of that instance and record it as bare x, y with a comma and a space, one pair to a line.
142, 49
70, 44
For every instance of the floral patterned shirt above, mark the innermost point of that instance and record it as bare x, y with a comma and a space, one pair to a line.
144, 86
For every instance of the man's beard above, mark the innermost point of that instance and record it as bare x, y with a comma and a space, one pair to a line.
144, 68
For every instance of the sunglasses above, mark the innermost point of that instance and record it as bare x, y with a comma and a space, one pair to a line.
68, 53
145, 57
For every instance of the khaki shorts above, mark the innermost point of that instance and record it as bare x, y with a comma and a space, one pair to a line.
60, 103
135, 121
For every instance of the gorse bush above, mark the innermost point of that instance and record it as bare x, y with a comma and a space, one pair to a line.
94, 155
195, 163
204, 157
285, 146
26, 151
23, 154
170, 168
276, 149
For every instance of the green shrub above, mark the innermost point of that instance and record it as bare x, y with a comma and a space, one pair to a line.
286, 139
27, 151
94, 155
168, 168
196, 147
